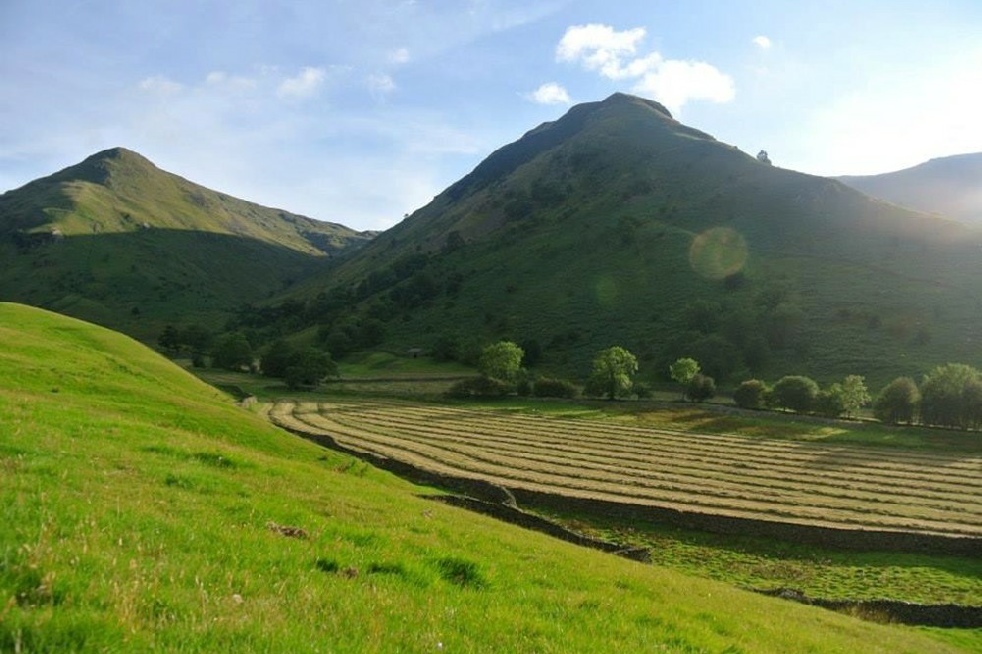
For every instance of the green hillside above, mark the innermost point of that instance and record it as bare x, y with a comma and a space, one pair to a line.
143, 510
120, 242
951, 186
619, 225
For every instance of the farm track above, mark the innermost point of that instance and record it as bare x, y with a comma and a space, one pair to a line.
844, 487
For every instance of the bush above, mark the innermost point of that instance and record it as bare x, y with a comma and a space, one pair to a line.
751, 394
947, 395
796, 393
830, 402
897, 402
486, 387
549, 387
700, 388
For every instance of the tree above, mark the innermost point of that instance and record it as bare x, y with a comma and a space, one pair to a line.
701, 388
830, 402
233, 352
683, 370
795, 392
170, 340
943, 395
763, 157
613, 370
308, 368
277, 359
854, 394
751, 394
501, 360
197, 339
897, 402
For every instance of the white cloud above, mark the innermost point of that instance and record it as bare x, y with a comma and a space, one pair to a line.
614, 54
599, 47
400, 56
160, 85
380, 84
762, 42
673, 83
549, 93
221, 79
303, 85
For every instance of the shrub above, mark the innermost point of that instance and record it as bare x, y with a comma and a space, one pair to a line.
700, 388
795, 392
751, 394
830, 402
479, 387
549, 387
947, 394
898, 401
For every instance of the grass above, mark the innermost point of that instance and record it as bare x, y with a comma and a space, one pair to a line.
843, 486
137, 505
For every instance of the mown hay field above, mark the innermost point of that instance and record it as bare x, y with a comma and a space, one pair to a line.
803, 483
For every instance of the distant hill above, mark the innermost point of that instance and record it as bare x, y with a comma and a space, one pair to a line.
951, 186
616, 224
115, 240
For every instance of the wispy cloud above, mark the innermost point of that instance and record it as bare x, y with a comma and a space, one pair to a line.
615, 55
380, 85
303, 85
549, 93
400, 56
160, 85
762, 42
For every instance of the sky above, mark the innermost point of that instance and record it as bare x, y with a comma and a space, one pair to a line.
361, 111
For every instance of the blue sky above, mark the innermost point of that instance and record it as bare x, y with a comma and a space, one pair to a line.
360, 111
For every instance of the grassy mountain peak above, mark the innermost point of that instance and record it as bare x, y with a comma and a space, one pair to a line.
118, 241
616, 224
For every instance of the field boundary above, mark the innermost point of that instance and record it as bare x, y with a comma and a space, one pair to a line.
498, 494
948, 616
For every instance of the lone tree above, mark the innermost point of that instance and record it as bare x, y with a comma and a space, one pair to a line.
854, 394
233, 352
751, 394
308, 368
682, 371
763, 157
612, 374
701, 388
897, 402
501, 360
796, 393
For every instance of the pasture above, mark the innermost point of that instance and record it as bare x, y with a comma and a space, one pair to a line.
802, 483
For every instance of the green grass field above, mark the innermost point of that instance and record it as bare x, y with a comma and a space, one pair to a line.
143, 510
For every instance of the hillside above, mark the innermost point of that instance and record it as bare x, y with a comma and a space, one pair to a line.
116, 240
145, 511
616, 224
951, 186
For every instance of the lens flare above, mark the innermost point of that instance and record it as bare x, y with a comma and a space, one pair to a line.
718, 253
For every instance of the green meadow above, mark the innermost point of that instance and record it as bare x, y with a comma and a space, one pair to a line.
143, 510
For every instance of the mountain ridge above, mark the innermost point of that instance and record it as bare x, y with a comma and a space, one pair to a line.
951, 186
617, 224
118, 241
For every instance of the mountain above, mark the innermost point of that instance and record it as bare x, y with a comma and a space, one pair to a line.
115, 240
951, 186
616, 224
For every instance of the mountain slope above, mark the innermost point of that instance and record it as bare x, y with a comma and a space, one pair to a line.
617, 224
951, 186
116, 240
143, 511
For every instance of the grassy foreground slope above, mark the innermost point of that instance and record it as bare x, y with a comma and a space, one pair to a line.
136, 505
